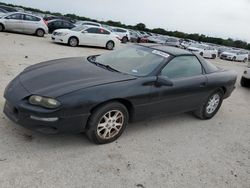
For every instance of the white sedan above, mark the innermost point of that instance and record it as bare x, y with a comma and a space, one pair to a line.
86, 35
204, 50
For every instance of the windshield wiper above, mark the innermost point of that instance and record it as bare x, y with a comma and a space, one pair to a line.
92, 59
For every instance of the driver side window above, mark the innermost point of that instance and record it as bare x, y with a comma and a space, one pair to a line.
181, 67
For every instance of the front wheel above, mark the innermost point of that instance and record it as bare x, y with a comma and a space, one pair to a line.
124, 39
1, 27
107, 123
214, 56
245, 60
211, 106
244, 82
73, 42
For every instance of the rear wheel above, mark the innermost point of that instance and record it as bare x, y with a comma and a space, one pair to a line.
211, 106
1, 27
124, 39
245, 60
201, 53
110, 45
40, 32
107, 123
213, 56
73, 42
244, 82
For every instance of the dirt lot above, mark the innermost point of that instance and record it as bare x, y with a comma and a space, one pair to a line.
176, 151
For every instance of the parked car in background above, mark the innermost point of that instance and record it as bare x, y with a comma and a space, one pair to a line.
123, 34
134, 36
8, 8
223, 49
101, 94
3, 12
59, 24
23, 23
203, 50
51, 17
88, 23
86, 35
235, 55
173, 42
245, 79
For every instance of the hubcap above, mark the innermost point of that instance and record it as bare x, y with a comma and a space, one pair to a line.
40, 33
110, 45
213, 103
110, 124
73, 42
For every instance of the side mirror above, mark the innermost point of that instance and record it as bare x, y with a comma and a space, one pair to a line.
163, 81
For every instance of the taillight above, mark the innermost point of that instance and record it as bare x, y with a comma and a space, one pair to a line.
45, 22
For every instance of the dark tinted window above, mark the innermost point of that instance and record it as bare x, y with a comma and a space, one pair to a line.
121, 31
15, 17
90, 24
183, 66
31, 18
67, 24
103, 31
93, 30
57, 23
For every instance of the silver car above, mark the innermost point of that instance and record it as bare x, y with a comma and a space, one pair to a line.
23, 23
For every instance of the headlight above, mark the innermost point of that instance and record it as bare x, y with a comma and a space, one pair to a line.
44, 102
62, 34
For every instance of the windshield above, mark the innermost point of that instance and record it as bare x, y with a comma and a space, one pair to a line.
79, 28
133, 60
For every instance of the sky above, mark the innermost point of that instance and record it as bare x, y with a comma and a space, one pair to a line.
217, 18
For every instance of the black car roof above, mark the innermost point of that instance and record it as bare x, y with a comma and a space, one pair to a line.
168, 49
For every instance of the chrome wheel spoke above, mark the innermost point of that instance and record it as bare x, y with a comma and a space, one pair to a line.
213, 103
110, 124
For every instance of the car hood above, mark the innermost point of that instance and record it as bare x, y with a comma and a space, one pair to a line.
62, 76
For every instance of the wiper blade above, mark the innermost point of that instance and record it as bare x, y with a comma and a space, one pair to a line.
92, 59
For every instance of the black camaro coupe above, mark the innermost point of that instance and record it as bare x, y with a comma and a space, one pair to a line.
100, 94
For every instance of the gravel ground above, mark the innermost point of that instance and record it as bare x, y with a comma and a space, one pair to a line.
175, 151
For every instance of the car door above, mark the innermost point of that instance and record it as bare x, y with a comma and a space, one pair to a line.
90, 37
30, 23
14, 22
188, 90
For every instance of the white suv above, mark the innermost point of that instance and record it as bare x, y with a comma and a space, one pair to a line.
235, 55
23, 23
123, 34
245, 80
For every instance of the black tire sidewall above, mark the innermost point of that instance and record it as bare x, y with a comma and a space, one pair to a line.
96, 116
204, 110
1, 27
244, 82
124, 39
38, 31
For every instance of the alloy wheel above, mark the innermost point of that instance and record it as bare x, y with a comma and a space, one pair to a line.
213, 103
110, 124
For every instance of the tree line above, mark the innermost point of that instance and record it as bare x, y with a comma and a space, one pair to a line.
142, 27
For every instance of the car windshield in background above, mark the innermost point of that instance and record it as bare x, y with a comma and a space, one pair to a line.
137, 61
79, 28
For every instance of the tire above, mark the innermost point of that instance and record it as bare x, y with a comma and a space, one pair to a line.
110, 45
1, 27
40, 32
201, 54
124, 39
234, 59
205, 112
244, 82
213, 56
73, 42
245, 60
101, 126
